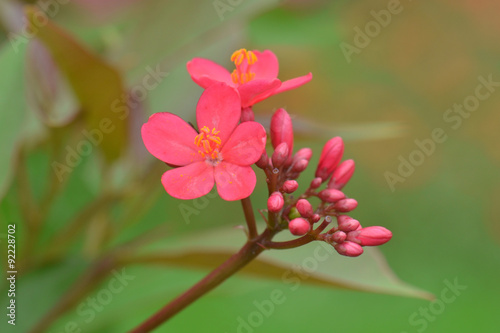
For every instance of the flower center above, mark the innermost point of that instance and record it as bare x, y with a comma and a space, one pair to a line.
209, 143
243, 60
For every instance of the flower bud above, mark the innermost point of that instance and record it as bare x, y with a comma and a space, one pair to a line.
280, 155
300, 165
294, 213
315, 218
299, 227
303, 153
282, 130
345, 205
330, 157
247, 114
316, 182
305, 208
263, 161
347, 223
290, 186
342, 175
338, 237
349, 249
331, 195
370, 236
275, 202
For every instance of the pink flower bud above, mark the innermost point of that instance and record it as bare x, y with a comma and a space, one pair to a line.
316, 182
347, 223
305, 208
275, 202
300, 165
345, 205
299, 227
290, 186
280, 155
263, 161
304, 153
331, 195
338, 237
282, 130
349, 249
370, 236
342, 175
315, 218
330, 157
247, 114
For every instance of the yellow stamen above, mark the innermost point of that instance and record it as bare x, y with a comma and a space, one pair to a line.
209, 143
242, 73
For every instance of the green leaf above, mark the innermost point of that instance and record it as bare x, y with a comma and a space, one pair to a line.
316, 263
12, 110
96, 84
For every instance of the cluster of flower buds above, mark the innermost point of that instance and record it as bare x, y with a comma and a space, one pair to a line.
296, 211
349, 237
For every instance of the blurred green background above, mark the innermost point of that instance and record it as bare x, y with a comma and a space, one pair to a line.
382, 90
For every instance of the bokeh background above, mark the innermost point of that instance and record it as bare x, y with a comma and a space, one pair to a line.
76, 229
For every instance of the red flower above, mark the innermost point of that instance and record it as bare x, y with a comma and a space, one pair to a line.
255, 75
220, 153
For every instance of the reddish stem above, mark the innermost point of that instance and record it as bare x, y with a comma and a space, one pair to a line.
249, 217
247, 253
312, 236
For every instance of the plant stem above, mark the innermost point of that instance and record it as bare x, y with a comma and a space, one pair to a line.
249, 217
246, 254
312, 236
289, 244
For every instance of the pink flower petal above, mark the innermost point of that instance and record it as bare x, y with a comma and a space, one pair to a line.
252, 91
190, 181
205, 72
287, 85
234, 182
170, 139
246, 144
266, 66
219, 107
293, 83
